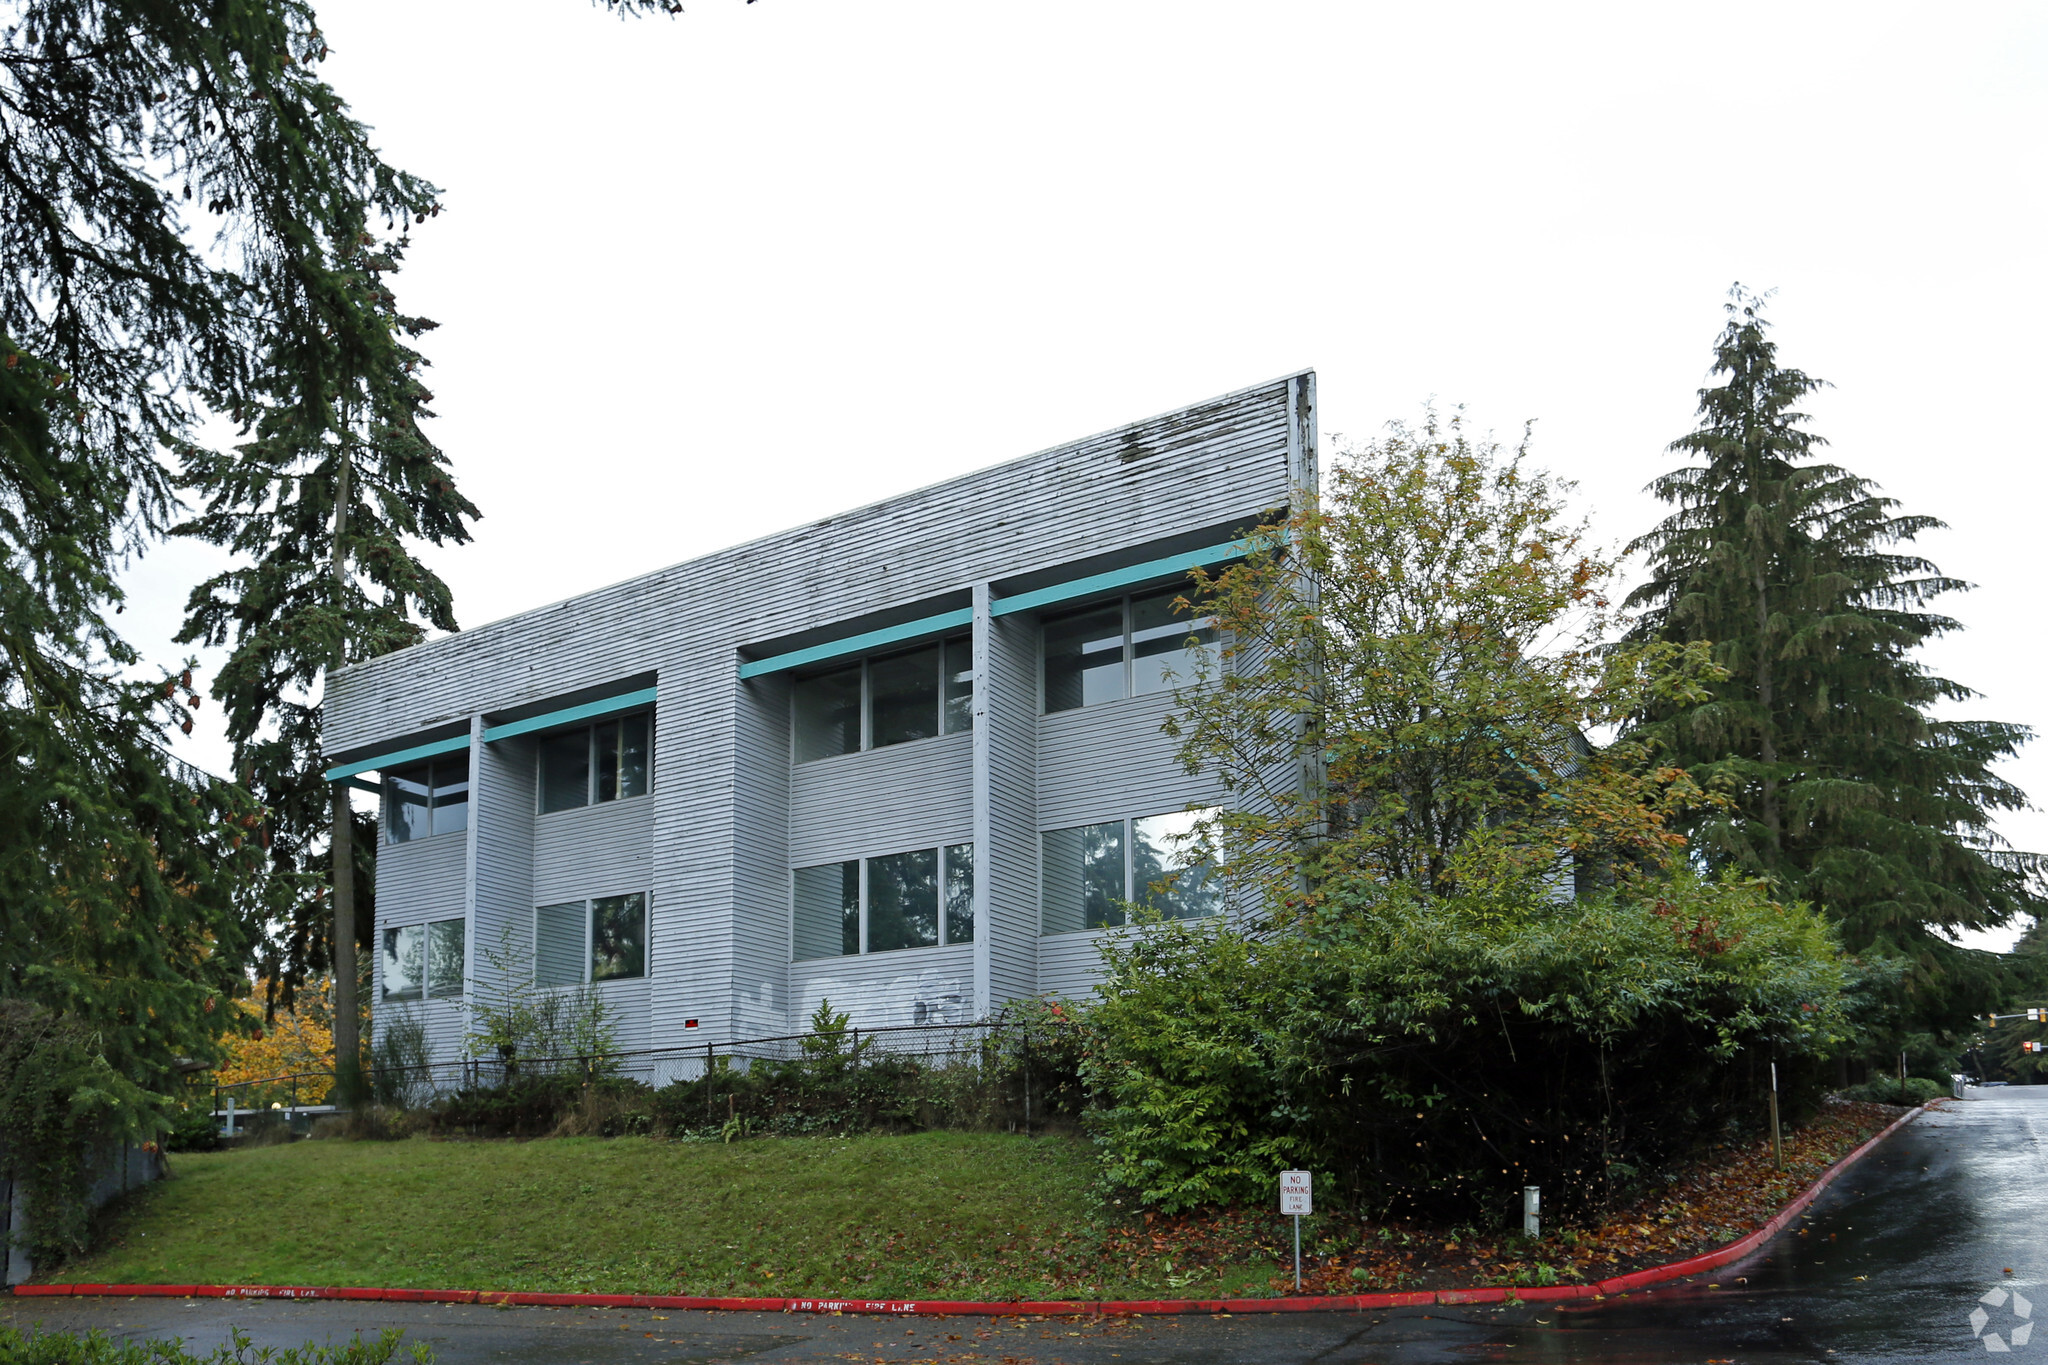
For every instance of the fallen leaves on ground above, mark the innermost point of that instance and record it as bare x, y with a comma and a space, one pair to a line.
1727, 1192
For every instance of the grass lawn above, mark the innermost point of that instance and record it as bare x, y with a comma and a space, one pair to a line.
930, 1215
956, 1215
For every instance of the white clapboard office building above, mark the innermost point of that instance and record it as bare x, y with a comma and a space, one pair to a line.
908, 758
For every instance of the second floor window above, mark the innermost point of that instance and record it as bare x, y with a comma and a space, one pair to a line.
607, 761
426, 799
891, 699
1124, 648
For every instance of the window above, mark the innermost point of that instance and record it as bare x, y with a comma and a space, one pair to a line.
1125, 648
1088, 873
607, 761
424, 961
903, 901
427, 798
1171, 863
892, 699
576, 942
919, 899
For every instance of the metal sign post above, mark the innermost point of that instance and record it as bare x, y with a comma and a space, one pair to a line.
1777, 1139
1296, 1198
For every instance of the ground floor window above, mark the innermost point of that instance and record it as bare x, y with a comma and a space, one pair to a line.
1090, 874
603, 939
424, 961
918, 899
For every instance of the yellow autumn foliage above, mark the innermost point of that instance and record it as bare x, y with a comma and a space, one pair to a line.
301, 1040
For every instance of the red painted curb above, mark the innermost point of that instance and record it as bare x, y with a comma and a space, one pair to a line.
1620, 1284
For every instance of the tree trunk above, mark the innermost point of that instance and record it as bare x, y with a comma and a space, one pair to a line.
1767, 747
347, 1043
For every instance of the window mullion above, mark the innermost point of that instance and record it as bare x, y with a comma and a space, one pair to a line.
1130, 864
863, 906
589, 919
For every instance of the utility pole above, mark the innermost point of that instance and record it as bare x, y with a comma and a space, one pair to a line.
347, 1045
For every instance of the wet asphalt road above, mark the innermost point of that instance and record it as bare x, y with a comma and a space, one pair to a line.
1888, 1266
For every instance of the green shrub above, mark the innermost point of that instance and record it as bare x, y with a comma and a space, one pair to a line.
61, 1104
840, 1082
398, 1062
193, 1128
1433, 1055
1887, 1090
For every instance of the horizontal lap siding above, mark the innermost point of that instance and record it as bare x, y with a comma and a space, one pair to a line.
1100, 763
758, 986
1069, 964
1108, 761
883, 990
502, 927
416, 883
626, 1009
605, 849
697, 830
1219, 461
715, 907
904, 796
1012, 858
447, 1030
421, 880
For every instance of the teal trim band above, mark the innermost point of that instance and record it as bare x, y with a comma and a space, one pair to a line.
855, 644
362, 786
396, 757
1120, 578
625, 701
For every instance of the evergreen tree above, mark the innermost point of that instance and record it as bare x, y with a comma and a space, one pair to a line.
119, 865
323, 507
1844, 787
193, 225
127, 323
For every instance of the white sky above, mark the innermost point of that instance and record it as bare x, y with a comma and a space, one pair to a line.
704, 278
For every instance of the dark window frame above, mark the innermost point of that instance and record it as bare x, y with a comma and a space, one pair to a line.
941, 879
593, 777
426, 989
953, 712
435, 786
1124, 603
587, 954
1134, 893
